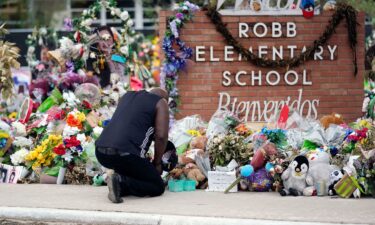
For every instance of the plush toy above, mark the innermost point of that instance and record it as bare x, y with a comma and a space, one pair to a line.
197, 147
176, 173
192, 172
294, 177
334, 118
307, 7
334, 177
198, 142
330, 5
320, 169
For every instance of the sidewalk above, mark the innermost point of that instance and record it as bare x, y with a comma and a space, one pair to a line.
87, 204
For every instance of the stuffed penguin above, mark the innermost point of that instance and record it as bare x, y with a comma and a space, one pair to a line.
294, 178
307, 7
334, 177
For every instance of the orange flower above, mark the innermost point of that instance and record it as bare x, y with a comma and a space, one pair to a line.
242, 129
73, 122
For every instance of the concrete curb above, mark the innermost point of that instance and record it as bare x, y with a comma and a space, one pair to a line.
100, 217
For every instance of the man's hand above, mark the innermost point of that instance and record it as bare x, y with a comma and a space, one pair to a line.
159, 169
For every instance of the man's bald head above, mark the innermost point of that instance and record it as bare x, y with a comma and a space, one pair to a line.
160, 92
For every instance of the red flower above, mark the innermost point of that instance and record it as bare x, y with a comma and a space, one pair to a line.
72, 142
86, 104
60, 149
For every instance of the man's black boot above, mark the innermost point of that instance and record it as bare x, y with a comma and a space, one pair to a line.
114, 188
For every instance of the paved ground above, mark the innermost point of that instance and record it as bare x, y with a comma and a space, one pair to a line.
70, 201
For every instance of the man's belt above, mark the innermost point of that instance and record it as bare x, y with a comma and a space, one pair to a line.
111, 151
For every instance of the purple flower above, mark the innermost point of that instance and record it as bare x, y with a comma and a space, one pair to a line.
69, 66
180, 16
68, 24
174, 29
192, 6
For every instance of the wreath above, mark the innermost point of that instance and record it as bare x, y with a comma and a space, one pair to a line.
42, 37
76, 48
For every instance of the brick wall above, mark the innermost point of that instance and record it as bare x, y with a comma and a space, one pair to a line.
334, 84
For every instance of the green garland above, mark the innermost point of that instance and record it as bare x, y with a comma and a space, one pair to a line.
342, 11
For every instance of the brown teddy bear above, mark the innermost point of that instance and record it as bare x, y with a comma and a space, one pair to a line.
192, 172
176, 173
334, 118
197, 146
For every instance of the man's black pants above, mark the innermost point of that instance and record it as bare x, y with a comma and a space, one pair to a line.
138, 176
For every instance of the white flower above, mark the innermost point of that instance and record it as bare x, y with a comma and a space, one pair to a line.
87, 22
124, 50
19, 156
43, 31
81, 138
92, 55
124, 15
22, 142
105, 36
117, 12
70, 98
19, 129
130, 23
69, 131
98, 131
113, 12
85, 12
115, 96
67, 157
31, 50
40, 42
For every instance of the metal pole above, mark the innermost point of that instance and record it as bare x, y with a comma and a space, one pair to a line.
103, 16
138, 5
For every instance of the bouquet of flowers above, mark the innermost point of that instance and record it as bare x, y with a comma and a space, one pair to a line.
224, 148
43, 154
71, 150
356, 136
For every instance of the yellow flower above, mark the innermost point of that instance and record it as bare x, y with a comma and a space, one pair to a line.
194, 133
47, 162
40, 156
80, 116
364, 123
4, 134
13, 115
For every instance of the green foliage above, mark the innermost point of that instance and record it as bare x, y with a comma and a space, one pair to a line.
367, 6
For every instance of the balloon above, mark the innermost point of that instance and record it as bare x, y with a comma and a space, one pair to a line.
246, 171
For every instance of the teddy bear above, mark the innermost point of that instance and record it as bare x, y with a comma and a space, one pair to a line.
197, 147
192, 172
320, 169
334, 177
295, 177
334, 118
330, 5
